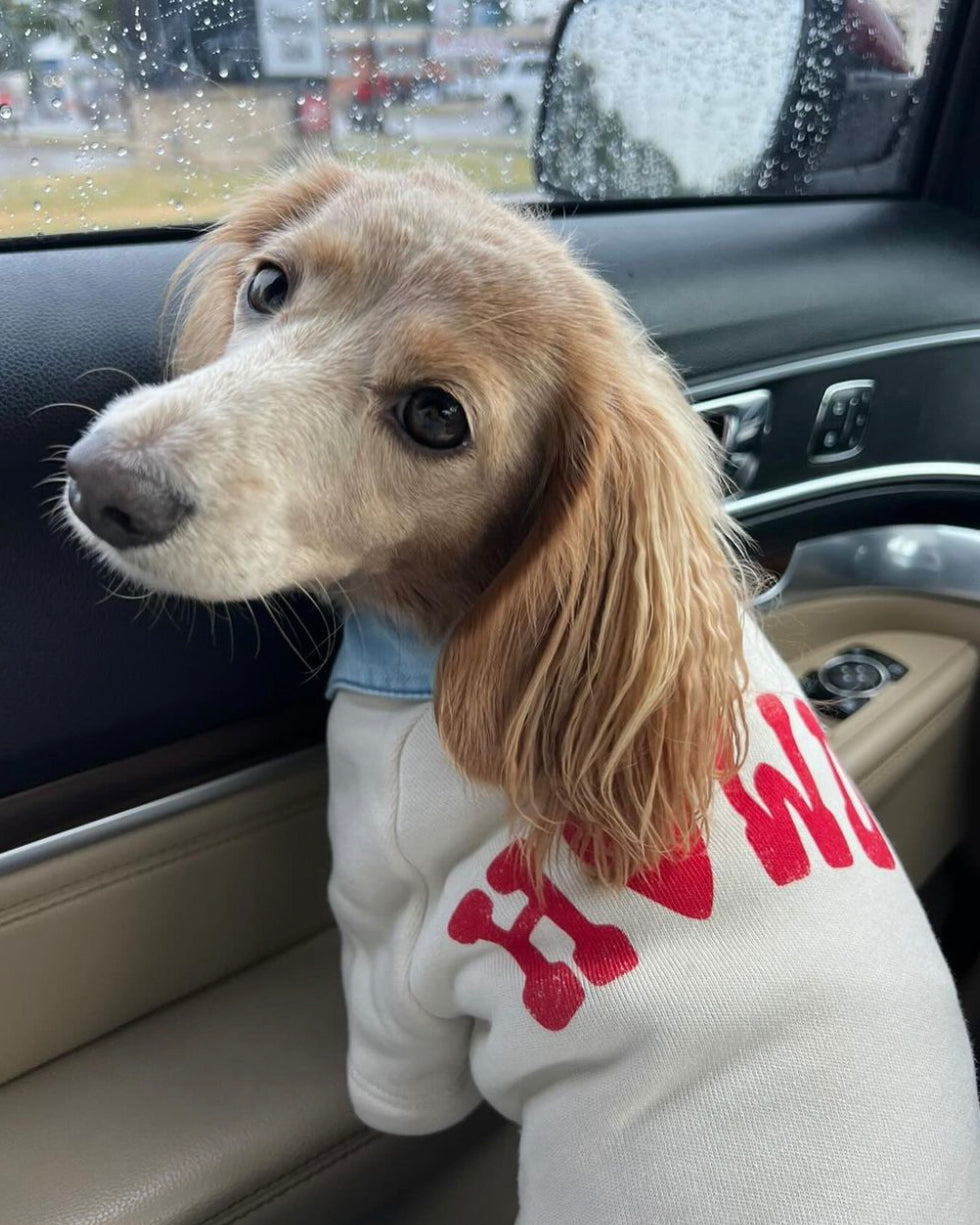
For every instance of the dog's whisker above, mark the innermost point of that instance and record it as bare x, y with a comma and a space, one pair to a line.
322, 648
212, 620
267, 604
119, 591
482, 323
86, 408
292, 617
110, 370
272, 609
231, 629
192, 619
255, 625
156, 604
329, 625
146, 602
170, 610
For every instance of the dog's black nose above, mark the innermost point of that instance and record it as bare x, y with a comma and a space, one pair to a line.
123, 506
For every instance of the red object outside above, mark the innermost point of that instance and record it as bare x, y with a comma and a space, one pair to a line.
313, 114
872, 33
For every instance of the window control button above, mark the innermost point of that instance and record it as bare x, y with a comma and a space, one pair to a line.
892, 666
852, 674
849, 680
831, 440
841, 421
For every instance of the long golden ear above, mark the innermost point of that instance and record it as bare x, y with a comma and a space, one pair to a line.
599, 680
206, 283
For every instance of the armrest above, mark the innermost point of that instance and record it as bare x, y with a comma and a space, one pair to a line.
228, 1104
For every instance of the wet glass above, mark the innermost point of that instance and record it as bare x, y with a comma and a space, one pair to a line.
652, 99
122, 114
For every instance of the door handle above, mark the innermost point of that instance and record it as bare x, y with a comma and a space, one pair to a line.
740, 422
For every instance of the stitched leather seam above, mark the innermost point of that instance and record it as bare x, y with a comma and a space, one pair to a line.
23, 909
278, 1187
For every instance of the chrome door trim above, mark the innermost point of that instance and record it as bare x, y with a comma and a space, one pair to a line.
747, 416
32, 853
746, 419
916, 559
857, 478
725, 384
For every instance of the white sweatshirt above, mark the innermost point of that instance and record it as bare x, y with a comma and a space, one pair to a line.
766, 1032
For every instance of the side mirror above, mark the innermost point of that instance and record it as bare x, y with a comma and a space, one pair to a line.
654, 98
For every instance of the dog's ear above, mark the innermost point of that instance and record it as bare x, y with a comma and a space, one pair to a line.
599, 679
206, 284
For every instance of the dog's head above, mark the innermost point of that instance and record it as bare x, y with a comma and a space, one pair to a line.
392, 386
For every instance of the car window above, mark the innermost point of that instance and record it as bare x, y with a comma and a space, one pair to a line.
123, 113
654, 99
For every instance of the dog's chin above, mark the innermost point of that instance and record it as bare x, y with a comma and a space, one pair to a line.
163, 570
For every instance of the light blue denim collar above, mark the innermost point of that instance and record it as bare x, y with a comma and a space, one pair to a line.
384, 658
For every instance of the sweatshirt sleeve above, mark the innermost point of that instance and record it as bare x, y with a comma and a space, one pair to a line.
407, 1070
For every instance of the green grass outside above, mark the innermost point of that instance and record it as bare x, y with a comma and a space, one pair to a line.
135, 195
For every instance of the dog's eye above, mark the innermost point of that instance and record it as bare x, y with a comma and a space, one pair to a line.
267, 290
433, 418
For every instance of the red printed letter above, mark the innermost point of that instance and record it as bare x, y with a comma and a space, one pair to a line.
868, 834
552, 993
769, 826
683, 884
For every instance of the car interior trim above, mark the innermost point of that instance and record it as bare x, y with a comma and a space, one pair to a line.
855, 479
727, 384
941, 561
66, 841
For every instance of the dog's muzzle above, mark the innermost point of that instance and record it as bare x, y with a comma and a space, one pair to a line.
119, 503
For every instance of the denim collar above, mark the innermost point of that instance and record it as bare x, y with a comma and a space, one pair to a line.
385, 658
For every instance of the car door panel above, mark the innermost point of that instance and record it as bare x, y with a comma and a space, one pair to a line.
226, 1106
726, 288
128, 914
910, 749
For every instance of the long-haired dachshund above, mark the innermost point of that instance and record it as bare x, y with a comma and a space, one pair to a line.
594, 860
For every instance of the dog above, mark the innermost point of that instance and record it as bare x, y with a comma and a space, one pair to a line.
594, 860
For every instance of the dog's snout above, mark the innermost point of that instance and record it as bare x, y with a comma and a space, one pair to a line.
122, 505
